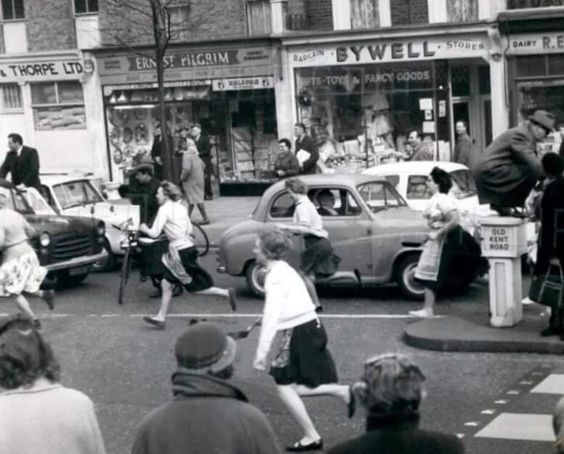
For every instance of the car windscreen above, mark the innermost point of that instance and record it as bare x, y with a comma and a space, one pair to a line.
76, 193
18, 203
380, 195
465, 186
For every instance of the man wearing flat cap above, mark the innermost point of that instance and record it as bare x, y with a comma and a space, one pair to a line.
206, 413
142, 189
511, 165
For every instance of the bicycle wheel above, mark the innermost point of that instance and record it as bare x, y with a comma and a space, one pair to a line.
124, 275
201, 240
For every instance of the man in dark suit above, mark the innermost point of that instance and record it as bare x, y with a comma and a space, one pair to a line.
157, 151
204, 150
22, 163
306, 150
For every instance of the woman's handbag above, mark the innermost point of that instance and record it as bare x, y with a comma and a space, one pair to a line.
551, 288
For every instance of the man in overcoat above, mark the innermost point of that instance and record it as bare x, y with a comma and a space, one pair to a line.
22, 163
204, 150
511, 165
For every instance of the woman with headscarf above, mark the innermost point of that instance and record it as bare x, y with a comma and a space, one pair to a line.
391, 390
20, 271
37, 414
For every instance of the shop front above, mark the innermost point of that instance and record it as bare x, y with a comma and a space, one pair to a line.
361, 99
227, 89
536, 62
43, 99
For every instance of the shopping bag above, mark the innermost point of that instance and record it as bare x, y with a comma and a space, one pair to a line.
550, 293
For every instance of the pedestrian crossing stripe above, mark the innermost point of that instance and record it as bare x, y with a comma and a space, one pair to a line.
493, 423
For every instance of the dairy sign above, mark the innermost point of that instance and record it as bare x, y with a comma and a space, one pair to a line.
378, 51
41, 70
537, 43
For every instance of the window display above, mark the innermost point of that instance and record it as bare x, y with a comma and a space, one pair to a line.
58, 105
362, 115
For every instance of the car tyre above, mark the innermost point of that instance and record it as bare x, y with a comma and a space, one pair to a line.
107, 264
255, 274
405, 277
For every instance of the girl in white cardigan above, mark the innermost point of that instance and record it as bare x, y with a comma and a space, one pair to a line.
303, 365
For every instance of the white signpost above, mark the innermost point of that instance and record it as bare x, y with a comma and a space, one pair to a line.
504, 240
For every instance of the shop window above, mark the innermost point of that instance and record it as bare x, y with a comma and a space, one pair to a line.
58, 105
406, 12
462, 10
555, 64
259, 20
460, 80
364, 14
179, 19
13, 9
11, 100
484, 80
530, 65
519, 4
85, 6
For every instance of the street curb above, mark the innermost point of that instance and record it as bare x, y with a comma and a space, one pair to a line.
452, 334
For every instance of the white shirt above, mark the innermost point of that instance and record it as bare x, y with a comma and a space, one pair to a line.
306, 215
173, 219
287, 304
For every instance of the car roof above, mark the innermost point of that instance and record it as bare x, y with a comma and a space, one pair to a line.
60, 178
329, 179
410, 167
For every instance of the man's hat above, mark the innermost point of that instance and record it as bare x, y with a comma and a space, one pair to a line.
146, 162
204, 348
544, 119
196, 125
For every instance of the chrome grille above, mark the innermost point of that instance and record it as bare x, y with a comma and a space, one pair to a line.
68, 248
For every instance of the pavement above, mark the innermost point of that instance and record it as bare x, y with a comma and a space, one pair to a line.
465, 328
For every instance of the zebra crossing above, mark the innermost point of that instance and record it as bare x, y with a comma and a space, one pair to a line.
522, 414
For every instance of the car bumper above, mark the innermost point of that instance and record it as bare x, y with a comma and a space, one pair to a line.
77, 262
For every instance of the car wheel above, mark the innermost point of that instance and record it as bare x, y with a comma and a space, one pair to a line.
65, 280
405, 277
255, 274
107, 264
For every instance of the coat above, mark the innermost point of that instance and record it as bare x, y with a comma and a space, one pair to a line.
24, 168
398, 434
206, 415
310, 164
192, 177
551, 242
286, 162
464, 152
509, 168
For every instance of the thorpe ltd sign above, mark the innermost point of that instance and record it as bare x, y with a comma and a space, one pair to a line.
41, 71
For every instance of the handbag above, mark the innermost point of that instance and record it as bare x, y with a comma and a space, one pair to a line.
551, 289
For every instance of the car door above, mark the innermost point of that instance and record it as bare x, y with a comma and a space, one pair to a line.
349, 227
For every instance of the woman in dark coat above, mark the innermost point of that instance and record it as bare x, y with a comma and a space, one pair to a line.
391, 390
550, 241
511, 166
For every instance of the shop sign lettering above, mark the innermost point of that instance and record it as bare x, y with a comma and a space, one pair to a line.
382, 78
390, 51
32, 71
498, 239
536, 43
243, 83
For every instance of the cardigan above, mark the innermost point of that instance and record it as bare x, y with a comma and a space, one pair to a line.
48, 418
287, 304
173, 219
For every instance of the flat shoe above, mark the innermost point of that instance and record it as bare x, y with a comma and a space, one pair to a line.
232, 300
299, 447
422, 313
153, 321
352, 403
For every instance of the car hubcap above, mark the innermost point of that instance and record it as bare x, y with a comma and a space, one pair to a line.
409, 280
259, 275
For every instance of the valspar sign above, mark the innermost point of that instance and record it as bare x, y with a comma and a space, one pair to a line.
390, 51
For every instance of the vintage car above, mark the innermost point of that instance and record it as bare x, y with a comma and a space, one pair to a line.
78, 195
68, 246
374, 232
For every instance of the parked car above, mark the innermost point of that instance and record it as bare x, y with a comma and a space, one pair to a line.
77, 195
376, 234
68, 246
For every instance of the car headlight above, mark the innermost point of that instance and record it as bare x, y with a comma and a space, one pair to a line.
44, 239
101, 228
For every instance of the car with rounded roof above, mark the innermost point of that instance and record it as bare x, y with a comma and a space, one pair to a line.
68, 246
372, 229
79, 195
